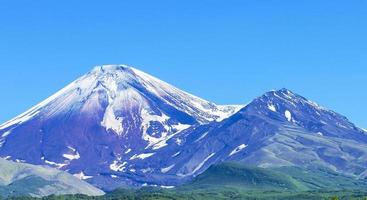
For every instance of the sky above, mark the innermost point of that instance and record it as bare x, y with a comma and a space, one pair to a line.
227, 52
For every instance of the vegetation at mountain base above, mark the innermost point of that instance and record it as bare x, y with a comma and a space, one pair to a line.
236, 181
220, 194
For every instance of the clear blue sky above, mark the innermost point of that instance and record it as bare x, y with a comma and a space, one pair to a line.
224, 51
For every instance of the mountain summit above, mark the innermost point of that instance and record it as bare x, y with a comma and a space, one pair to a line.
121, 87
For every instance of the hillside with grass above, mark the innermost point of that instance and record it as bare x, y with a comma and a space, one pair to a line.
236, 181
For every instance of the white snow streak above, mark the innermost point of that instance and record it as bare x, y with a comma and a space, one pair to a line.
82, 176
176, 154
71, 156
202, 136
58, 165
74, 156
167, 169
167, 187
6, 133
238, 149
127, 151
201, 164
142, 156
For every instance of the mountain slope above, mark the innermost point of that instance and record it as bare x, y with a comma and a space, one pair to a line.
19, 179
245, 177
103, 123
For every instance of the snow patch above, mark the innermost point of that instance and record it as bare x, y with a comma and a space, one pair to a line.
167, 169
272, 107
317, 106
127, 151
2, 141
82, 176
146, 170
169, 131
154, 142
341, 125
71, 156
202, 136
110, 121
167, 187
58, 165
180, 127
74, 156
288, 115
201, 164
178, 141
6, 133
117, 167
7, 157
238, 149
320, 134
225, 111
176, 154
162, 186
142, 156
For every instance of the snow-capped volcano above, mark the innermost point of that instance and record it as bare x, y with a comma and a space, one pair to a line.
112, 112
124, 88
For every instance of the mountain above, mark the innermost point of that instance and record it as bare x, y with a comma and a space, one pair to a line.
19, 179
277, 129
104, 123
119, 127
